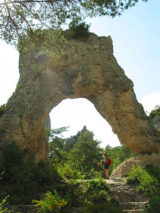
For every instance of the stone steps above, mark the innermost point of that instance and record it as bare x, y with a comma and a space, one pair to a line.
130, 200
133, 210
134, 204
133, 207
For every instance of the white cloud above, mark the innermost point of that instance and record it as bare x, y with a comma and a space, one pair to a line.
8, 71
150, 101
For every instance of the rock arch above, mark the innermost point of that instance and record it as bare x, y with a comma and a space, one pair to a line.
87, 69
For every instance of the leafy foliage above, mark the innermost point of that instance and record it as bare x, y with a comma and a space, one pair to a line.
23, 179
118, 155
73, 139
154, 204
57, 151
3, 207
20, 17
67, 172
85, 154
84, 196
46, 41
146, 181
78, 30
52, 202
156, 111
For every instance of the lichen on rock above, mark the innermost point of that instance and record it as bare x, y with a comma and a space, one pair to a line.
87, 69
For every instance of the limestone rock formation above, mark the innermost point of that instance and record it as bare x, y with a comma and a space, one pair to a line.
124, 168
88, 69
156, 122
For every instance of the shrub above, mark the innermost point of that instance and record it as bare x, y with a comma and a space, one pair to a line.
2, 205
93, 174
146, 182
154, 112
24, 180
154, 204
106, 207
77, 30
69, 173
85, 196
52, 202
98, 199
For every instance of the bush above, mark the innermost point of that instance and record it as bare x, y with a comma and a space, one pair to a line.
154, 204
77, 30
98, 199
24, 180
93, 174
146, 182
52, 202
109, 207
2, 205
69, 173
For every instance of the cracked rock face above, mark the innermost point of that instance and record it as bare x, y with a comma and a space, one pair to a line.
88, 69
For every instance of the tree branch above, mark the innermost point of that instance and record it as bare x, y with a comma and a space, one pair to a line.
22, 16
10, 18
34, 1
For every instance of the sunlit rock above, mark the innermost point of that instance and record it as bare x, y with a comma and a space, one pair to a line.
87, 69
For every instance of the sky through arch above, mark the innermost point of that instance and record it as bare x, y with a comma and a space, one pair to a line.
80, 112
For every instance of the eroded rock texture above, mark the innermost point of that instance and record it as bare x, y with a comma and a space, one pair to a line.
87, 69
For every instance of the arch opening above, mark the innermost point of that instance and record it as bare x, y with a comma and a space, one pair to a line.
76, 113
87, 69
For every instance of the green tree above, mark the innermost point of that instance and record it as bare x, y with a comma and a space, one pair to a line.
86, 153
73, 139
20, 17
57, 151
57, 146
118, 154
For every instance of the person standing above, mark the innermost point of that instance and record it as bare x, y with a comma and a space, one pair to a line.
106, 165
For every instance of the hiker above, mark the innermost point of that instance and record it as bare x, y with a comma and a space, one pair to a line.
106, 163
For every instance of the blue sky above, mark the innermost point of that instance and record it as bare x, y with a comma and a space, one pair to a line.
136, 41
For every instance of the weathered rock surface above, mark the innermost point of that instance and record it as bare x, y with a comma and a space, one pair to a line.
87, 69
127, 195
124, 168
156, 122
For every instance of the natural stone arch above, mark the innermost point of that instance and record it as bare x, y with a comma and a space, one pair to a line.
87, 69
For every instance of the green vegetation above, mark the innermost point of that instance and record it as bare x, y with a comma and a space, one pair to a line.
154, 204
70, 180
50, 203
90, 196
118, 155
22, 179
19, 19
155, 117
77, 30
3, 204
156, 111
147, 180
2, 109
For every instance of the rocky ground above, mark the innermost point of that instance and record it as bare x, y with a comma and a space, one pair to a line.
124, 168
130, 200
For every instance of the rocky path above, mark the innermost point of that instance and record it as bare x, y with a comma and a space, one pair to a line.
130, 200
